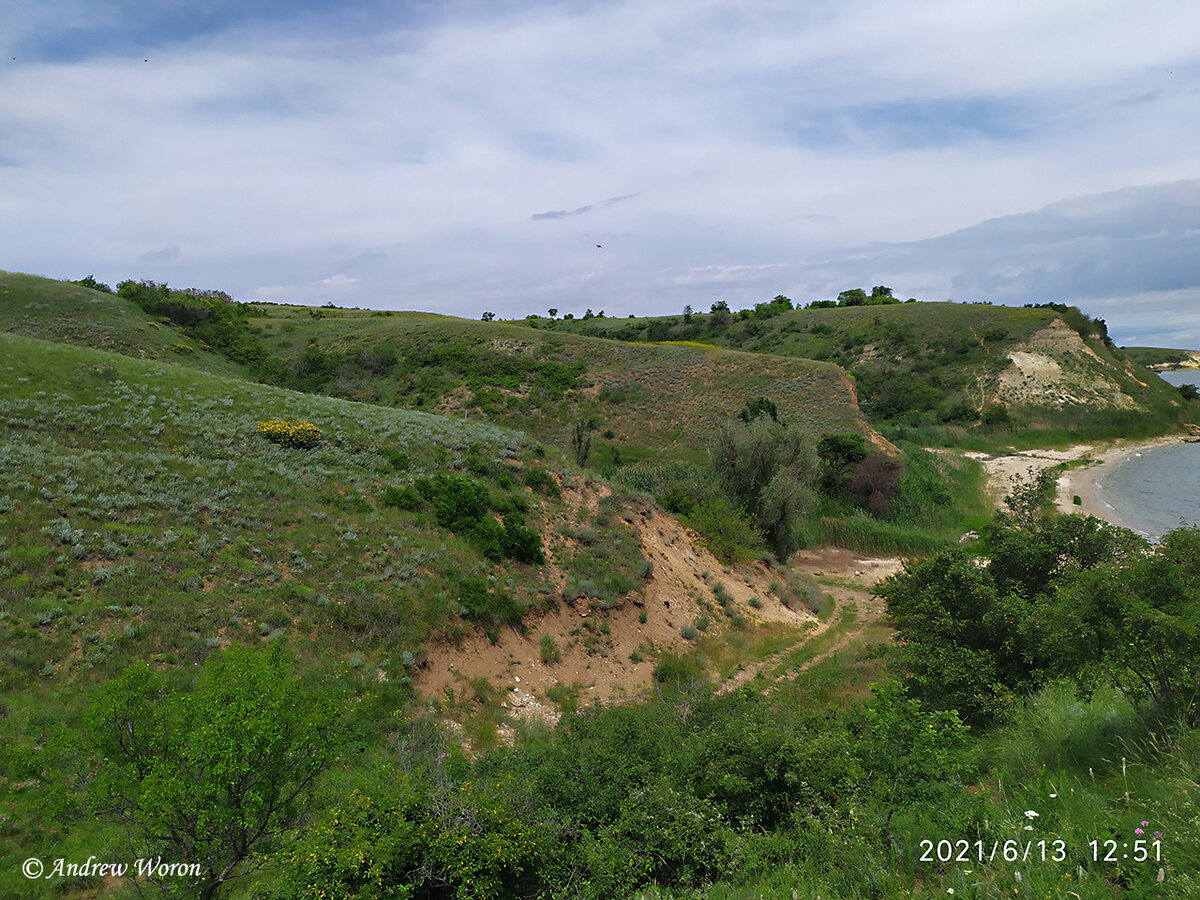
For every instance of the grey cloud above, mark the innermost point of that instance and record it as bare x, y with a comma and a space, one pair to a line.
561, 213
166, 254
580, 210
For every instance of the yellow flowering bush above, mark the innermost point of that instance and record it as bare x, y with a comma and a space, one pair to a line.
301, 435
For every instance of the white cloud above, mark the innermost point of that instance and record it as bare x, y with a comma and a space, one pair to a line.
751, 142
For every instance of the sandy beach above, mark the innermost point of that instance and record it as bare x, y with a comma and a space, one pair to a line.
1082, 481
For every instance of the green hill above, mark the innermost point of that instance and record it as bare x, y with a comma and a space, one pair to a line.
145, 516
69, 313
634, 401
970, 370
639, 400
219, 596
1163, 358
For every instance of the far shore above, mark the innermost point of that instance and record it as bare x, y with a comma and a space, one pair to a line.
1082, 482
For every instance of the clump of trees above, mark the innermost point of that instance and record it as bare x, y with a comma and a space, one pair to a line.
212, 317
463, 506
1061, 596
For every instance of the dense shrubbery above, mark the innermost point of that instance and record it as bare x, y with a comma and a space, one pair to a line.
768, 469
212, 776
676, 793
764, 488
1062, 596
212, 317
462, 505
429, 369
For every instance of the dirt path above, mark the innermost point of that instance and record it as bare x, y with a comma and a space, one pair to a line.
852, 591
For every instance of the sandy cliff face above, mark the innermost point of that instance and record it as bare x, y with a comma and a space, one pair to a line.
1054, 367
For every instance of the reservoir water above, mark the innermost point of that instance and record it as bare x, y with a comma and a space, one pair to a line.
1158, 489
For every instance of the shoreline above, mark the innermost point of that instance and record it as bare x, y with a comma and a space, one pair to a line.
1083, 481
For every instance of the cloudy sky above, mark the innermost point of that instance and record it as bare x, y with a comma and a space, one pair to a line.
470, 156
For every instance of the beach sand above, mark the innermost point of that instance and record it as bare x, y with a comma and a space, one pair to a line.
1085, 482
1082, 481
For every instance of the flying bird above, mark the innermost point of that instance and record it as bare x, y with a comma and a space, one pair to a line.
599, 247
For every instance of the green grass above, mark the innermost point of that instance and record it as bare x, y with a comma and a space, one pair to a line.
143, 516
1149, 356
68, 313
655, 400
925, 371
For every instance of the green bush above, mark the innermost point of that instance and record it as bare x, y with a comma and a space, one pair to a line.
770, 471
404, 497
725, 532
548, 648
398, 458
522, 544
488, 607
461, 504
458, 502
541, 480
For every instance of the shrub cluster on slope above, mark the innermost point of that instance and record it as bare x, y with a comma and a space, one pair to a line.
1062, 596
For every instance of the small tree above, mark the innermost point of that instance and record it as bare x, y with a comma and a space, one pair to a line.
852, 297
838, 452
487, 317
768, 470
553, 312
581, 442
759, 406
211, 776
1133, 622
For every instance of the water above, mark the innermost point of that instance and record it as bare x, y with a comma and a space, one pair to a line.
1183, 376
1159, 489
1155, 490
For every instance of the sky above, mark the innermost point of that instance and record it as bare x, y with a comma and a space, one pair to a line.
464, 156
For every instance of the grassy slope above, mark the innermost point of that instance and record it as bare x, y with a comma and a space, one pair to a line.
69, 314
927, 364
660, 399
144, 517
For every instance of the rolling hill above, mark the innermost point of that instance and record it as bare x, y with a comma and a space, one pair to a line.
640, 400
438, 583
968, 369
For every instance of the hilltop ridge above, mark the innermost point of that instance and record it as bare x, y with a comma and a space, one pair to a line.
965, 368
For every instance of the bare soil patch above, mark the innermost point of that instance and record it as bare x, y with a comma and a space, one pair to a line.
600, 660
